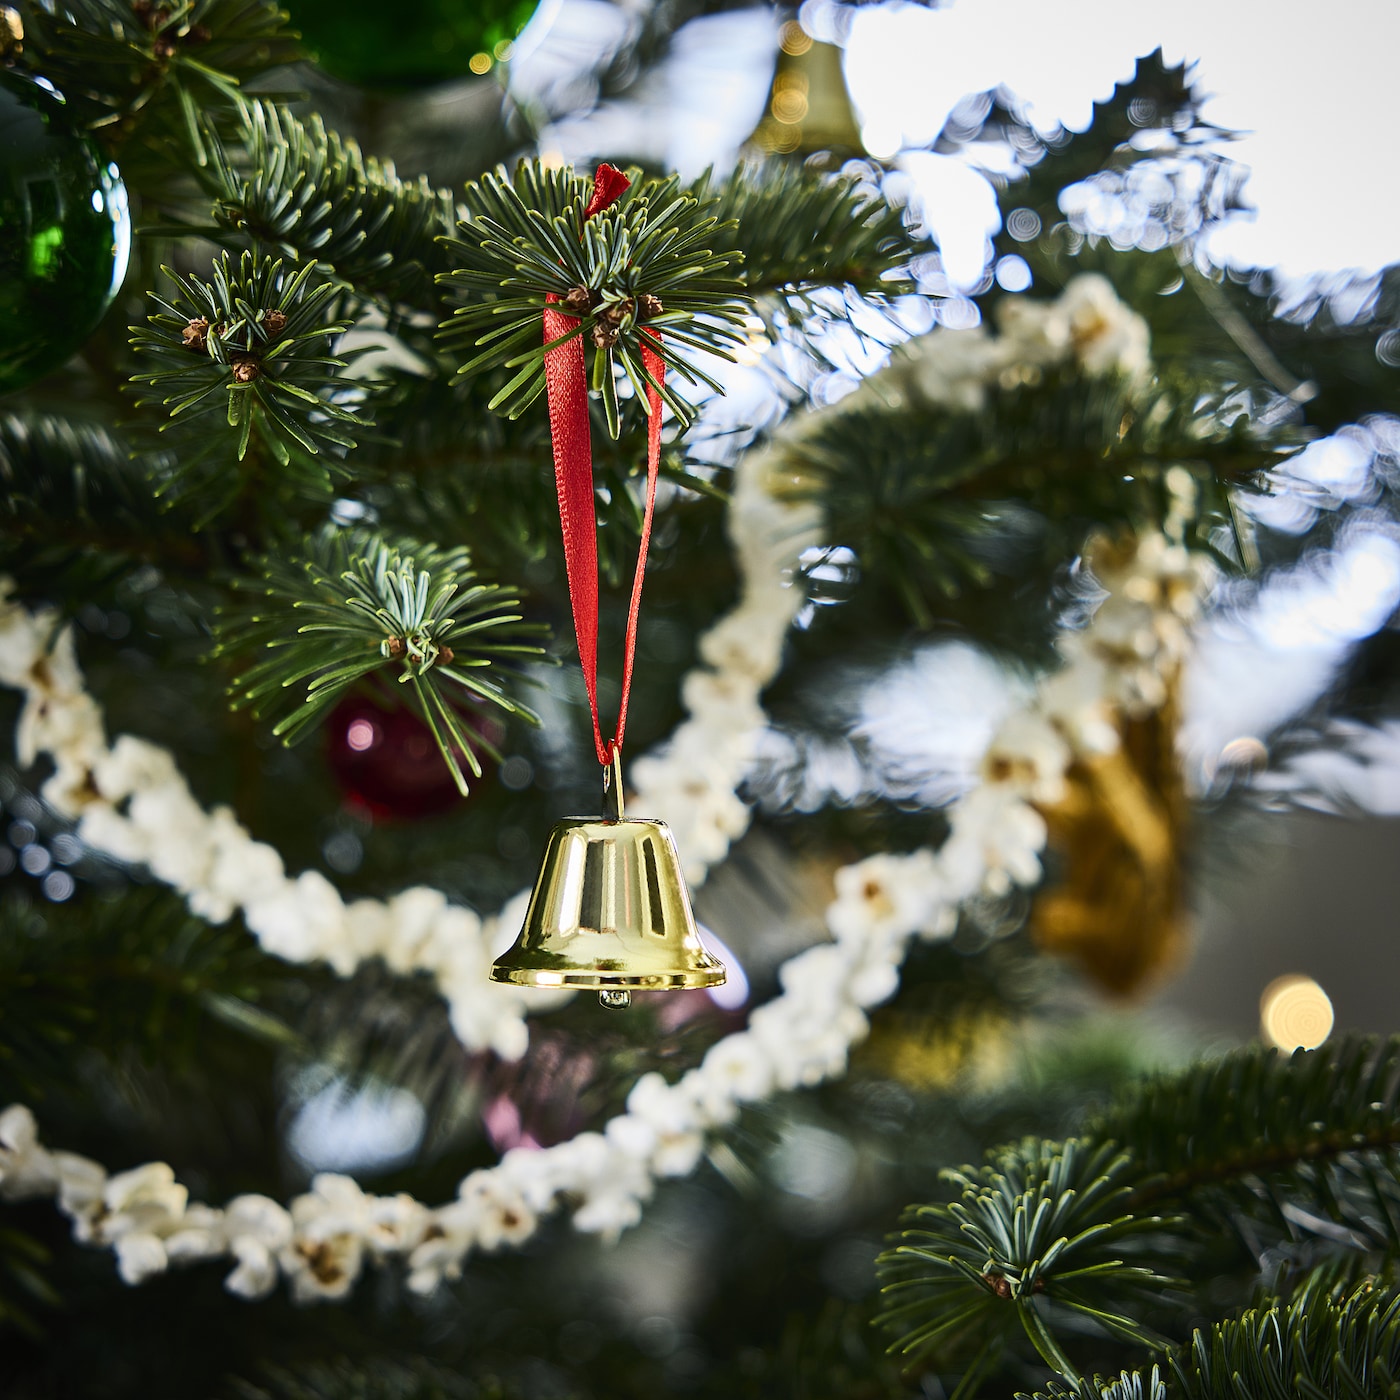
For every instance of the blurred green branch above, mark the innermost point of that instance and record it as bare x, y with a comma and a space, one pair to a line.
113, 975
133, 61
920, 491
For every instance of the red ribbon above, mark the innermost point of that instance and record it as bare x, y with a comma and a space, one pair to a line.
566, 386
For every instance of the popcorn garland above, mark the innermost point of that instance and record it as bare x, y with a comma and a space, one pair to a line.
1087, 326
1123, 661
134, 805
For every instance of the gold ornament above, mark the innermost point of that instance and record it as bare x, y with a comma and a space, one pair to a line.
610, 912
610, 909
1118, 908
936, 1054
11, 34
809, 108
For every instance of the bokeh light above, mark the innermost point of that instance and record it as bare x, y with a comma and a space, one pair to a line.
1295, 1013
360, 735
733, 992
341, 1127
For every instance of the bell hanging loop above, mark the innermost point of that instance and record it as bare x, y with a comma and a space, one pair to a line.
610, 911
612, 781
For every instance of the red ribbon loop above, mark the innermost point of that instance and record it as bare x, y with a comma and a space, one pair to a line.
566, 387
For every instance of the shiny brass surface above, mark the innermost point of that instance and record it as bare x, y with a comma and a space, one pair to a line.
610, 910
809, 110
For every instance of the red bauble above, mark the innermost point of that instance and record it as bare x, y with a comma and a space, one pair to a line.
387, 762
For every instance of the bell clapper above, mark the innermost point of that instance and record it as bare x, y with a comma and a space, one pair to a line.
615, 998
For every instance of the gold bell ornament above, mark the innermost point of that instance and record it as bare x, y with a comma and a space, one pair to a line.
610, 910
809, 110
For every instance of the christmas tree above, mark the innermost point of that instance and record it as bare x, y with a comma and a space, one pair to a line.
311, 338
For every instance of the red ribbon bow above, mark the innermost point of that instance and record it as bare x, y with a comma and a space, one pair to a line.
566, 386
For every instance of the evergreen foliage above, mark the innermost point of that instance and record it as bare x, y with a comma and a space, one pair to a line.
646, 280
312, 195
130, 64
1251, 1148
1126, 1386
1330, 1340
382, 1380
1254, 1131
937, 501
1159, 99
798, 227
56, 468
1343, 1343
377, 608
1040, 1218
1224, 1232
250, 343
134, 971
24, 1288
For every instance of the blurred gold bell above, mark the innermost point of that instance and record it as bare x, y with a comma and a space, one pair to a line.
610, 911
809, 107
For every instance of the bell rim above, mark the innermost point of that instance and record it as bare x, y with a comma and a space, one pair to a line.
691, 980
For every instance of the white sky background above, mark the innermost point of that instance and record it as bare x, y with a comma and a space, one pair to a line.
1315, 85
1312, 85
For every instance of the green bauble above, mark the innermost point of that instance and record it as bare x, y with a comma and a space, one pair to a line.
375, 45
65, 232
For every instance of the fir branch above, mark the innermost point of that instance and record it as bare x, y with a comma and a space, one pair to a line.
1319, 339
798, 227
113, 975
311, 195
1128, 1385
382, 1378
1039, 1224
457, 474
251, 344
160, 64
362, 607
377, 1028
1289, 1143
1326, 1343
54, 468
827, 1354
1158, 97
641, 272
1344, 1345
919, 492
24, 1263
83, 477
1257, 1130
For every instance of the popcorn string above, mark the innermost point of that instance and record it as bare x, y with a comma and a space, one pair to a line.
1122, 663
